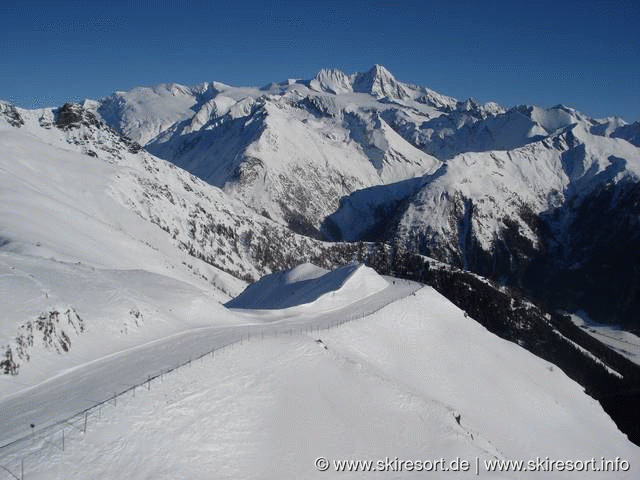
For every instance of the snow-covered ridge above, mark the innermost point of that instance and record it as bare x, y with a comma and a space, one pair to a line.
417, 376
256, 143
311, 286
332, 135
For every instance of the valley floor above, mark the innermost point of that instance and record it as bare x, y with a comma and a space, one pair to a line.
623, 342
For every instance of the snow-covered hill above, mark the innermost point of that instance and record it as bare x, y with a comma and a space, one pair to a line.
94, 231
417, 380
312, 287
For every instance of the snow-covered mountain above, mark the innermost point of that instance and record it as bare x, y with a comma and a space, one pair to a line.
507, 193
93, 230
557, 216
289, 150
126, 222
513, 194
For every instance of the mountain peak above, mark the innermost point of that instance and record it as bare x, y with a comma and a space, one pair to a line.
331, 80
378, 69
376, 81
380, 82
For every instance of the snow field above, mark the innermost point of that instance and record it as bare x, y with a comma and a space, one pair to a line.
386, 385
89, 379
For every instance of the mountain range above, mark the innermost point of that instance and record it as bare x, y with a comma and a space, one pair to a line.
545, 200
526, 218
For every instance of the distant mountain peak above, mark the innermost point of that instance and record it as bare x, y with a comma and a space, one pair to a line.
331, 80
377, 81
380, 82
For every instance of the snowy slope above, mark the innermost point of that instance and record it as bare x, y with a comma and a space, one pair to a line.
540, 206
81, 274
310, 286
530, 216
292, 150
272, 146
392, 384
144, 112
93, 234
623, 342
110, 256
275, 153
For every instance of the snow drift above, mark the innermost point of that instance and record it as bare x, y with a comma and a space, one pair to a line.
307, 284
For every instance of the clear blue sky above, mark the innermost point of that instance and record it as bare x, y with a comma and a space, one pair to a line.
584, 54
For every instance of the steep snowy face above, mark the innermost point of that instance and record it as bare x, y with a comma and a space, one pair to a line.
290, 156
380, 83
530, 217
81, 275
478, 198
197, 219
144, 112
272, 147
332, 81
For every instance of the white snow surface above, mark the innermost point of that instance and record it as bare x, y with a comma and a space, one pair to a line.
390, 384
68, 243
311, 286
623, 342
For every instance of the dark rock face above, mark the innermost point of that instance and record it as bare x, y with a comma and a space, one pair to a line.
11, 115
597, 266
72, 115
52, 330
588, 256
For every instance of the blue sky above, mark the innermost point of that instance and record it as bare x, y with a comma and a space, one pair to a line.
584, 54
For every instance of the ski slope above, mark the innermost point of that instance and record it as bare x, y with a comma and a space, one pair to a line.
83, 386
416, 379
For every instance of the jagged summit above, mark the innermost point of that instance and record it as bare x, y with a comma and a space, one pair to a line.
331, 80
380, 82
377, 81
